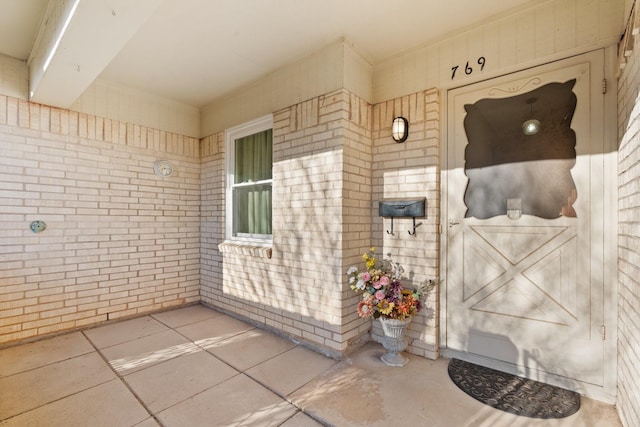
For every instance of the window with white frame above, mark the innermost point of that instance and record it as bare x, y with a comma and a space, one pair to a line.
249, 181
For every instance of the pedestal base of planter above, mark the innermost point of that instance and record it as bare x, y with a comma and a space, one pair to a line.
394, 359
394, 341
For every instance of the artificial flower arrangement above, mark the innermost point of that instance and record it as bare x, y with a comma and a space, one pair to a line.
382, 292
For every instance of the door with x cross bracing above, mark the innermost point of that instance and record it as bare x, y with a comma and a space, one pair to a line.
524, 204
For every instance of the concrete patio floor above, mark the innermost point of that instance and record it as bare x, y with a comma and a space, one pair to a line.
194, 366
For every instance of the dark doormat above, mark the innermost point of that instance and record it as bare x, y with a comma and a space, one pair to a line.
509, 393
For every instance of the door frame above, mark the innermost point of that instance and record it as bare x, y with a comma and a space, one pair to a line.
607, 392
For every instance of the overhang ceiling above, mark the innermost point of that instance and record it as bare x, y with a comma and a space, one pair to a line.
195, 51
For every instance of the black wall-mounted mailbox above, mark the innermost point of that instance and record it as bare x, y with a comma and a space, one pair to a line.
401, 208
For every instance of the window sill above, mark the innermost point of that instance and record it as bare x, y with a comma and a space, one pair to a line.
245, 249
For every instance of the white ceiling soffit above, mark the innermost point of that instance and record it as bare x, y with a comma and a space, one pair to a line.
196, 51
19, 26
69, 54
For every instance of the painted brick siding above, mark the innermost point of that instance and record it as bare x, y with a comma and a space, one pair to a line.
212, 213
119, 241
629, 243
410, 170
321, 152
357, 202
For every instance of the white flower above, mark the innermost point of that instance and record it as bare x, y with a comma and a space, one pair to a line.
360, 285
352, 270
352, 279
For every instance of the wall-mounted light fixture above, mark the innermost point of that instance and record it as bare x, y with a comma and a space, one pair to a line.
531, 126
163, 168
400, 129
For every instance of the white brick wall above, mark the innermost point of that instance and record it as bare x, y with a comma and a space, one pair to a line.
120, 241
629, 242
333, 160
321, 197
410, 170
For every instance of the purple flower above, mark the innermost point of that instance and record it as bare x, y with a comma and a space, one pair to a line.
396, 287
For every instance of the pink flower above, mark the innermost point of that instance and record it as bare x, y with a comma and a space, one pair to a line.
384, 281
377, 285
379, 295
366, 276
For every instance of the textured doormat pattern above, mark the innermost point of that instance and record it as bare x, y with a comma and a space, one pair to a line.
509, 393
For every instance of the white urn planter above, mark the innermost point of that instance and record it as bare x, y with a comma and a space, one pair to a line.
394, 341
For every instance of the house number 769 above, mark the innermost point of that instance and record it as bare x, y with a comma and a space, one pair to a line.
467, 68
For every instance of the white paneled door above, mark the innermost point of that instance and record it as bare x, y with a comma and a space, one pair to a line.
524, 201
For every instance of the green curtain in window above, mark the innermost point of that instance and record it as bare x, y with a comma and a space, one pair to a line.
252, 209
252, 202
254, 157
